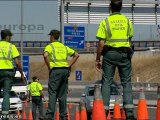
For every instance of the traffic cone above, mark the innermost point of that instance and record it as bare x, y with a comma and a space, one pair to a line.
46, 104
123, 114
142, 111
69, 106
24, 117
158, 105
57, 114
83, 113
109, 116
76, 114
98, 112
117, 110
26, 104
18, 115
68, 114
30, 117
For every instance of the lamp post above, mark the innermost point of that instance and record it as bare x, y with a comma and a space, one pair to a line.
21, 34
62, 20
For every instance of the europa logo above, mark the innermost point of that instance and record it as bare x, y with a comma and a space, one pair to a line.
27, 28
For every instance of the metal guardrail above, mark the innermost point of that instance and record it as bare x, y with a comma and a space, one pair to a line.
88, 44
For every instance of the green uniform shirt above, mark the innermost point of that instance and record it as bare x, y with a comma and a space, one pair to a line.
35, 88
115, 30
58, 54
8, 51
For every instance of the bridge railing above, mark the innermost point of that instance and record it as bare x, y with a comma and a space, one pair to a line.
88, 44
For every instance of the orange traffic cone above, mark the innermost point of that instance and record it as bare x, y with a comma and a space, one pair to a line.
158, 110
98, 112
142, 111
68, 114
76, 114
123, 114
158, 105
69, 106
109, 116
83, 113
30, 117
26, 104
24, 117
46, 104
18, 115
117, 110
57, 114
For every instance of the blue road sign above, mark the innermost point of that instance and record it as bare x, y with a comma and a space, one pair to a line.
74, 37
26, 66
78, 74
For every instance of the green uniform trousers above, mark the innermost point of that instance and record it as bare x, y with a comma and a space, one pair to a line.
57, 89
37, 102
6, 82
111, 60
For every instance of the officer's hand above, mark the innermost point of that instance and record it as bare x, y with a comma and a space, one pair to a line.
22, 77
98, 66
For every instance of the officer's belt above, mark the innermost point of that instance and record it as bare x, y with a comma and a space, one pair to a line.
56, 68
119, 49
36, 96
11, 70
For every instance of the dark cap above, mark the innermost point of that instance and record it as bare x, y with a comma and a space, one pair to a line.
35, 78
53, 32
6, 32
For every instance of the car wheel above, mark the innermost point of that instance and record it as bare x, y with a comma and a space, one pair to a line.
89, 115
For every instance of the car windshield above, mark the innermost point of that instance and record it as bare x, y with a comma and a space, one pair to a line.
114, 91
12, 94
18, 82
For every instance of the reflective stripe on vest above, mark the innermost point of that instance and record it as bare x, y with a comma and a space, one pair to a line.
110, 34
54, 56
9, 54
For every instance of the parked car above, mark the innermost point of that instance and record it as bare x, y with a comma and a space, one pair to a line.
88, 98
15, 102
19, 86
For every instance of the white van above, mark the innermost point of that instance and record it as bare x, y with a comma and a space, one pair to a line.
19, 86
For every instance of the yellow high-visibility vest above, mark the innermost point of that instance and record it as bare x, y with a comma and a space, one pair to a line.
8, 52
58, 54
115, 30
35, 88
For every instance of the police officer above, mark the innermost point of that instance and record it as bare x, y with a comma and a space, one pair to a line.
35, 91
114, 35
8, 53
55, 57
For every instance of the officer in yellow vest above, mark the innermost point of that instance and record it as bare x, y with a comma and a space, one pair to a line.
8, 53
114, 35
55, 57
35, 91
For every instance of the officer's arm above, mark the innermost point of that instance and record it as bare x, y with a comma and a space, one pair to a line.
99, 50
46, 59
40, 90
19, 66
74, 59
42, 94
29, 94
